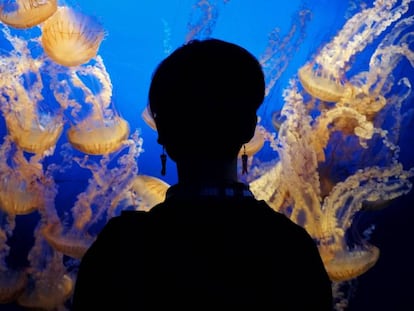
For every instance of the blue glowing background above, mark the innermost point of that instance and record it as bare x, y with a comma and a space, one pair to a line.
139, 34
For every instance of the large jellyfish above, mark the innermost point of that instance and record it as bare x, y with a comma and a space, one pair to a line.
24, 14
32, 122
100, 137
146, 191
96, 126
50, 285
314, 148
107, 187
21, 182
71, 38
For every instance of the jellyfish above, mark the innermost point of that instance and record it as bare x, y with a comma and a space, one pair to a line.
147, 191
24, 14
148, 119
68, 243
34, 135
255, 144
359, 31
96, 128
280, 50
99, 138
105, 190
97, 204
50, 285
12, 282
32, 123
21, 182
327, 215
321, 85
205, 18
71, 38
349, 264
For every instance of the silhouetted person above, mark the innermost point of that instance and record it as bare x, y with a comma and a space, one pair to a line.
210, 245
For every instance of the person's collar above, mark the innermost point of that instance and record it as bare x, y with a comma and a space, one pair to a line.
222, 190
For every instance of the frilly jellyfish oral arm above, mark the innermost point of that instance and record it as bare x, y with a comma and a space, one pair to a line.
279, 51
207, 14
52, 286
12, 282
364, 128
101, 74
297, 168
98, 110
358, 32
71, 243
4, 248
106, 185
388, 54
371, 184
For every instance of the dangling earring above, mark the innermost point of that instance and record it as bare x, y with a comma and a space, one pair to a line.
163, 157
244, 160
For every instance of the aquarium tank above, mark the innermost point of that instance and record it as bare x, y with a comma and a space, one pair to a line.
332, 148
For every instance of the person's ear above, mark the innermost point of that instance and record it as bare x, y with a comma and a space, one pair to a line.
250, 129
161, 138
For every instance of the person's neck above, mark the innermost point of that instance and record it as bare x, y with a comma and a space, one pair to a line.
207, 172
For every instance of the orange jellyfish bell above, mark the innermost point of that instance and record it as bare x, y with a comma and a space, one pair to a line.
17, 199
347, 265
320, 85
47, 295
69, 244
254, 145
23, 14
150, 191
71, 38
12, 284
100, 138
34, 137
149, 120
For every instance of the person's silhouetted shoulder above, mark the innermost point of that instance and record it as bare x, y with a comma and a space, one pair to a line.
204, 253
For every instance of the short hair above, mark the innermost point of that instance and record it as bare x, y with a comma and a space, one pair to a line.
203, 98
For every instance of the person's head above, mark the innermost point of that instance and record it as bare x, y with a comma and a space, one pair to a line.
204, 98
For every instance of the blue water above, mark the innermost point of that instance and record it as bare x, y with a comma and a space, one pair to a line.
139, 34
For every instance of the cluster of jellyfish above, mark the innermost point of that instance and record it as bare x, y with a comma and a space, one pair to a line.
55, 82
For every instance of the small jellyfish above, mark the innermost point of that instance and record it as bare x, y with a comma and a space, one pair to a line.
21, 183
33, 135
50, 285
98, 138
18, 196
148, 119
148, 191
12, 284
47, 294
254, 145
347, 265
71, 38
23, 14
71, 244
320, 85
